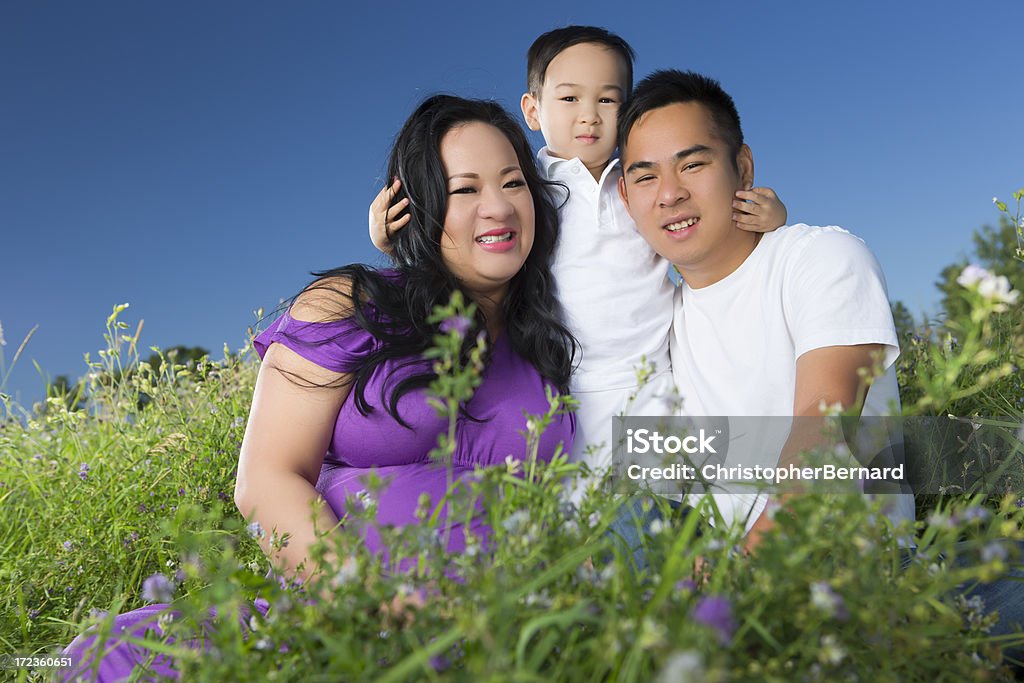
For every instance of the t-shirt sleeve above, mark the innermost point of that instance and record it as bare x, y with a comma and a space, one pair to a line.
836, 296
340, 346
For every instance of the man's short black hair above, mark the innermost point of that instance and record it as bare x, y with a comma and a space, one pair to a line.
551, 44
671, 86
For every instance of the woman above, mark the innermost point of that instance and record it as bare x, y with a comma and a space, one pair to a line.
343, 372
341, 391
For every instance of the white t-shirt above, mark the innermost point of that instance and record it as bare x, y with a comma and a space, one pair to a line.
617, 300
735, 343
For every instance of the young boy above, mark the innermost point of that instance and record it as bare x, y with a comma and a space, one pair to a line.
614, 289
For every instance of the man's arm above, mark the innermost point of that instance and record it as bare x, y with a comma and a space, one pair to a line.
828, 375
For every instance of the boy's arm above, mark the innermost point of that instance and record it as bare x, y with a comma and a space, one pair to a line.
758, 209
385, 216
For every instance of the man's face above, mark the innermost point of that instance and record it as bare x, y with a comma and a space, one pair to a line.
577, 108
679, 185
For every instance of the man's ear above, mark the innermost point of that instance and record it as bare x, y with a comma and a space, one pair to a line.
622, 193
745, 165
531, 110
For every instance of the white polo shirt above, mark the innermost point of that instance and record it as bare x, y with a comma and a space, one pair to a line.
617, 300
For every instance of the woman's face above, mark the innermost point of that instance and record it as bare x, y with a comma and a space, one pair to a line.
489, 225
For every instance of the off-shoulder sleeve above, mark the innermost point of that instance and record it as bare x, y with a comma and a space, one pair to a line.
339, 346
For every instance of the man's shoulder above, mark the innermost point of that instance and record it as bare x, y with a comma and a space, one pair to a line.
800, 243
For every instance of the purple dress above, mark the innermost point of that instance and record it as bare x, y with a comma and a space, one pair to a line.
510, 389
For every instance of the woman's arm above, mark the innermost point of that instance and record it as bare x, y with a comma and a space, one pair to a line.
289, 429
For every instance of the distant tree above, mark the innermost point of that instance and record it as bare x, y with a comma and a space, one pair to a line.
905, 326
178, 355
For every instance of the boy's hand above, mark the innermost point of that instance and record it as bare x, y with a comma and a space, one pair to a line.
385, 216
758, 209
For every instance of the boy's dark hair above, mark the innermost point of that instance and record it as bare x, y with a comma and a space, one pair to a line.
551, 44
670, 86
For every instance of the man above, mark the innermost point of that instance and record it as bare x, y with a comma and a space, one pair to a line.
775, 324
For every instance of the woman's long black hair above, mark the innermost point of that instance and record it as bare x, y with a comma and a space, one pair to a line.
394, 307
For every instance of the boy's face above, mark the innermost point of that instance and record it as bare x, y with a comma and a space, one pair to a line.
679, 184
577, 108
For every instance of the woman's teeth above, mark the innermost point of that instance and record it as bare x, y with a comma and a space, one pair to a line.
675, 227
491, 239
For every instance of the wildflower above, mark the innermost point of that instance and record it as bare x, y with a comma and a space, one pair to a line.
973, 612
83, 471
347, 573
831, 652
238, 422
992, 287
68, 546
33, 613
683, 667
975, 513
994, 552
941, 520
685, 586
365, 499
657, 526
512, 464
716, 612
515, 522
457, 323
157, 588
972, 274
827, 600
255, 530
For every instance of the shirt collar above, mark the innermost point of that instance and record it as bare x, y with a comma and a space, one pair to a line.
548, 161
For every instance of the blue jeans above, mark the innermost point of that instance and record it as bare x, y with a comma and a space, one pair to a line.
632, 525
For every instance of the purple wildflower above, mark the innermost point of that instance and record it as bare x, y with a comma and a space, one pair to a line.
685, 586
68, 546
994, 551
83, 471
33, 613
181, 492
456, 323
157, 588
1020, 502
975, 513
255, 530
827, 600
716, 612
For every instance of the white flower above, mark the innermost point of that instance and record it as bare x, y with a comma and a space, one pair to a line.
347, 573
831, 651
994, 288
683, 667
973, 274
998, 289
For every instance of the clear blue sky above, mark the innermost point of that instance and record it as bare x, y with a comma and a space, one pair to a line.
197, 159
